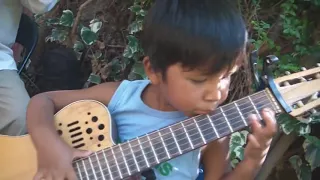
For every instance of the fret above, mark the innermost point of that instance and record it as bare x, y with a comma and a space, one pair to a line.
242, 117
262, 103
187, 136
272, 100
108, 167
175, 140
79, 172
120, 161
116, 162
206, 127
214, 128
85, 169
204, 141
125, 160
234, 117
164, 145
158, 146
96, 172
101, 168
180, 135
193, 132
220, 123
169, 142
144, 155
89, 168
226, 118
130, 157
246, 107
148, 150
255, 108
154, 152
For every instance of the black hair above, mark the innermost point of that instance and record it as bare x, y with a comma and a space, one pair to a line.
208, 34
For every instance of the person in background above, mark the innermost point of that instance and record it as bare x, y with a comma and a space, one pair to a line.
13, 95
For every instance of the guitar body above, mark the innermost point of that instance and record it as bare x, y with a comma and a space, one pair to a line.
83, 125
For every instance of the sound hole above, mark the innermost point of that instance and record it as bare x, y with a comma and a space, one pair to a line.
89, 130
86, 122
101, 137
94, 119
60, 124
59, 132
101, 126
99, 145
89, 113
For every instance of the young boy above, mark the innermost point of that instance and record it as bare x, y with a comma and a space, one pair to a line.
192, 48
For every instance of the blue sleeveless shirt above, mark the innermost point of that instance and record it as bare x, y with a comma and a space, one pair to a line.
134, 118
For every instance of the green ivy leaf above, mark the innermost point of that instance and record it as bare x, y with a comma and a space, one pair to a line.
78, 46
134, 27
311, 148
135, 8
94, 79
66, 18
302, 170
289, 124
127, 52
89, 37
137, 71
133, 43
52, 21
95, 25
57, 34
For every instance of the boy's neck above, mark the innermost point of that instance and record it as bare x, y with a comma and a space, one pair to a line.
153, 98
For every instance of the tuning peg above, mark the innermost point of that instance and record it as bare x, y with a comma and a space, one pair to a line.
303, 68
318, 64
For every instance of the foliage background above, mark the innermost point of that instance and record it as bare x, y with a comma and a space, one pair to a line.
104, 34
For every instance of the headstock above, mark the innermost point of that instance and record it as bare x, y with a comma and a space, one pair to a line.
300, 91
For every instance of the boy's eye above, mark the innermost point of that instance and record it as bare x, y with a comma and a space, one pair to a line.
198, 80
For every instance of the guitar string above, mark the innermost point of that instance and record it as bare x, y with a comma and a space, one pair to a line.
193, 128
123, 161
191, 119
126, 171
165, 158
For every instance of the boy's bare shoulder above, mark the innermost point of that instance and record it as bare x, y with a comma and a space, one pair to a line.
102, 93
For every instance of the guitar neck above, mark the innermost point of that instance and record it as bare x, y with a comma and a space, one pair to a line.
146, 151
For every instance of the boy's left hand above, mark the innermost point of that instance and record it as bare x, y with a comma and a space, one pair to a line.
260, 139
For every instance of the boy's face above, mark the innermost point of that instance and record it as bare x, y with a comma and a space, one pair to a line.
192, 91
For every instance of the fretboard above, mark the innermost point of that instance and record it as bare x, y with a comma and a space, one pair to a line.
144, 152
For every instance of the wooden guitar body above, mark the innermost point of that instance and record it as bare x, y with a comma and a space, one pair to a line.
83, 125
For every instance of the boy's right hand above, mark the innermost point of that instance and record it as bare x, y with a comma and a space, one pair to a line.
55, 162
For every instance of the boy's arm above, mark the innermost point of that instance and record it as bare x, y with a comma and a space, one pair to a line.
39, 6
215, 159
216, 163
215, 155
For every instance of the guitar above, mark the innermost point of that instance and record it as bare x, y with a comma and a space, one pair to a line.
87, 125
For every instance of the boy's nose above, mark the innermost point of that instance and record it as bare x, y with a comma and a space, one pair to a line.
213, 95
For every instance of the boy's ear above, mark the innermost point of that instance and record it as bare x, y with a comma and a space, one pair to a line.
153, 76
